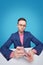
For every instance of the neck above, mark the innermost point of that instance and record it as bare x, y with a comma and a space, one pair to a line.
21, 32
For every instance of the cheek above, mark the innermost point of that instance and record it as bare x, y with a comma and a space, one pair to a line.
19, 27
24, 27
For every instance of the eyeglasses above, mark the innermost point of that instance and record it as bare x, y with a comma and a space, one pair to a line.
22, 25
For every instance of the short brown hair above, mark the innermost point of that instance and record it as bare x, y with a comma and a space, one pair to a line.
21, 19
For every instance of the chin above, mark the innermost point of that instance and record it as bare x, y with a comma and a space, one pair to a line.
22, 31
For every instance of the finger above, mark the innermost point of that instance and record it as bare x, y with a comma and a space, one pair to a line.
20, 52
19, 55
29, 59
20, 48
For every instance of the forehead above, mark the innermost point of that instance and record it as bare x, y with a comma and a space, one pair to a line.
22, 22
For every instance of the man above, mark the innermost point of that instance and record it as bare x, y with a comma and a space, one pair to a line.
21, 39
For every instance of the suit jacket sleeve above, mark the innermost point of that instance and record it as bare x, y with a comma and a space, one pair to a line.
38, 44
5, 48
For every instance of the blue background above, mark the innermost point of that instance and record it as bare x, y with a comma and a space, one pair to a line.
11, 10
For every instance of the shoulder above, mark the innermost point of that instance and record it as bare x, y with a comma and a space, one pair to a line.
27, 32
14, 34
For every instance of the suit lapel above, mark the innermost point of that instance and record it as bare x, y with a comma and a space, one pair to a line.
25, 38
18, 38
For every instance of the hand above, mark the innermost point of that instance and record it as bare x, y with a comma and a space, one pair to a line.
19, 52
30, 56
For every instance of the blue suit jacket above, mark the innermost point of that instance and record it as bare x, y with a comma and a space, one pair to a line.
15, 39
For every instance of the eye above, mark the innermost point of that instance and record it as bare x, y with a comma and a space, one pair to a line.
22, 25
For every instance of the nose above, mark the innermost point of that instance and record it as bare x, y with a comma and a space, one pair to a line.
22, 27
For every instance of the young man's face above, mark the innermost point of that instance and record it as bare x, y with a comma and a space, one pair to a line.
21, 25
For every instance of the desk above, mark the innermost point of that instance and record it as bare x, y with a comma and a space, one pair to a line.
38, 60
